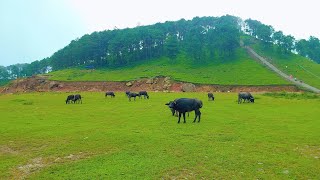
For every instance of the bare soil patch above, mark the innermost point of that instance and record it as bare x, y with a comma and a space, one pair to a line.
42, 84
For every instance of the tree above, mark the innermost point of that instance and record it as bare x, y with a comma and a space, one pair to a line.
172, 46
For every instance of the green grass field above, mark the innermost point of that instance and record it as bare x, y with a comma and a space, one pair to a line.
241, 71
43, 138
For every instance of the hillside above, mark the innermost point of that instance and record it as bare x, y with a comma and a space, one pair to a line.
299, 67
240, 71
204, 50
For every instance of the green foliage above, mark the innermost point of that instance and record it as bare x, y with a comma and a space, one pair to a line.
4, 82
111, 138
172, 47
309, 48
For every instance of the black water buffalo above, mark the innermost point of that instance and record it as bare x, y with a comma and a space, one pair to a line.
132, 94
184, 105
171, 109
245, 96
77, 98
174, 112
144, 94
110, 93
210, 96
70, 99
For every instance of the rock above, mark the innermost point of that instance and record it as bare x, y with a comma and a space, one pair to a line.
53, 84
129, 84
188, 87
41, 81
155, 80
167, 80
149, 81
166, 86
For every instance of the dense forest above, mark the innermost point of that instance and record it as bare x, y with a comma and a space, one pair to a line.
201, 39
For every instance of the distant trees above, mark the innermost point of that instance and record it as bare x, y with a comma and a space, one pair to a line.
197, 38
309, 48
285, 44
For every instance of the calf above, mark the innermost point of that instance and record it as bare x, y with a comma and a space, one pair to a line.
110, 93
132, 94
70, 99
210, 96
144, 94
184, 105
77, 99
245, 96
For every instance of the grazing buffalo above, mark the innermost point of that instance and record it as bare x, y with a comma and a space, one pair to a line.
174, 112
77, 98
184, 105
127, 93
245, 96
144, 94
132, 94
110, 93
70, 99
210, 96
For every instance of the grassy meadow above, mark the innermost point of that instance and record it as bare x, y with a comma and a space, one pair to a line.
241, 70
43, 138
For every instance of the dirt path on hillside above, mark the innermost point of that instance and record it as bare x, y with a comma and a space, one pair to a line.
282, 74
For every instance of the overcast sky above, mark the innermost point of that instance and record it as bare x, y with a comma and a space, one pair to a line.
34, 29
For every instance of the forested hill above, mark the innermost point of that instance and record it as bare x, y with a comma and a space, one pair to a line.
201, 40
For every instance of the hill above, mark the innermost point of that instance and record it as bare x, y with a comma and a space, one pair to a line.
203, 50
240, 71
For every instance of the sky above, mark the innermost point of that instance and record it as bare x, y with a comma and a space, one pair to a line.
31, 30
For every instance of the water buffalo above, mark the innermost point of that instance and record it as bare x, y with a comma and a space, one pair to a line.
110, 93
70, 99
245, 96
127, 93
132, 94
77, 98
184, 105
210, 96
174, 112
144, 94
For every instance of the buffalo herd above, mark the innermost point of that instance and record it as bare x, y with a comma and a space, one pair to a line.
178, 107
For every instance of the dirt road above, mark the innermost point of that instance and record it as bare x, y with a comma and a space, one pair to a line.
275, 69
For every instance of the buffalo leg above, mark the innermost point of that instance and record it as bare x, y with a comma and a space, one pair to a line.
179, 117
173, 112
184, 117
197, 114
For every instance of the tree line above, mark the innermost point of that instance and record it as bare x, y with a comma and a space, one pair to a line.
286, 44
201, 39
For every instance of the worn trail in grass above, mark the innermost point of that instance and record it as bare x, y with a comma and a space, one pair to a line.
42, 137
